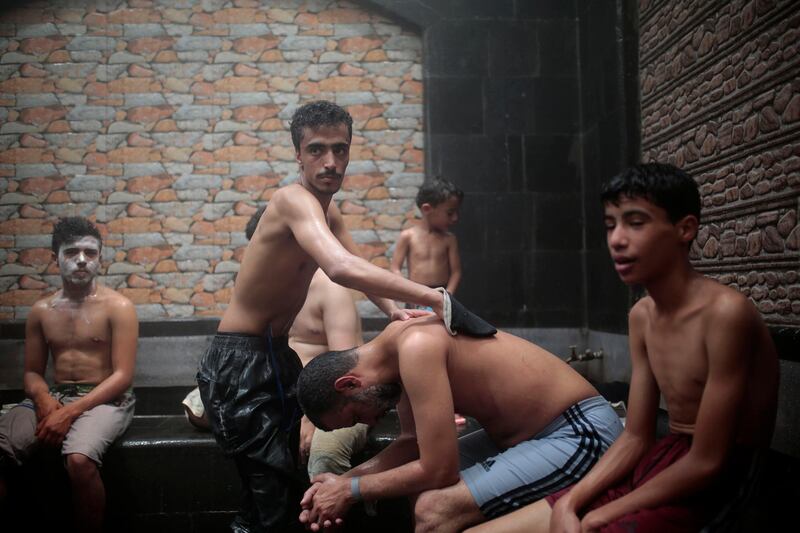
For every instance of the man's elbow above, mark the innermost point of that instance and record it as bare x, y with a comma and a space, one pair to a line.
442, 476
342, 272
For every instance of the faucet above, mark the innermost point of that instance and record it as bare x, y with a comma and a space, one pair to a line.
573, 356
587, 355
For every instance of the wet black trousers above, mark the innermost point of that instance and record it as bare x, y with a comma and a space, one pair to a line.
249, 389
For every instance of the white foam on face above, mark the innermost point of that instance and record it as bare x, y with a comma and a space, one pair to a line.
84, 256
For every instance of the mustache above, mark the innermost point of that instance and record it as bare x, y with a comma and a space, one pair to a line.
334, 175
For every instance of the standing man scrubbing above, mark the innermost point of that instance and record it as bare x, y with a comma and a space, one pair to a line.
246, 377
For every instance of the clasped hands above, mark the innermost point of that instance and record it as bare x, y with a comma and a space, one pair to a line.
54, 421
326, 502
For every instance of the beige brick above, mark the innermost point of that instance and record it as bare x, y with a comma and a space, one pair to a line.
135, 281
20, 297
27, 282
165, 266
255, 45
28, 211
42, 115
235, 15
149, 45
42, 45
26, 155
36, 256
147, 114
133, 155
134, 16
342, 16
359, 44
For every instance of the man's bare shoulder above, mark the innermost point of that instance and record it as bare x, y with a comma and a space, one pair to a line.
42, 306
726, 306
289, 195
113, 298
641, 311
410, 232
417, 334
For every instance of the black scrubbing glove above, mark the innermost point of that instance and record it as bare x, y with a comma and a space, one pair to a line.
459, 319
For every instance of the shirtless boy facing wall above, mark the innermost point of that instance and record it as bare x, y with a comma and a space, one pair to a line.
91, 332
701, 345
429, 248
328, 321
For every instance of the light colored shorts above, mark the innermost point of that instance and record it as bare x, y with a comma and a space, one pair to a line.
331, 451
560, 455
90, 434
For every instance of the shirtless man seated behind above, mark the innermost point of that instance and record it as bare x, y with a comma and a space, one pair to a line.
91, 332
328, 321
545, 425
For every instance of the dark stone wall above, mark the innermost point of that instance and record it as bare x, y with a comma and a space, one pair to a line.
510, 118
720, 96
610, 140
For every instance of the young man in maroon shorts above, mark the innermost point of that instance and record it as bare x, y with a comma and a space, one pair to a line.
701, 345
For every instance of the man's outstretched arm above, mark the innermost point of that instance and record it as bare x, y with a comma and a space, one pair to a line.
305, 218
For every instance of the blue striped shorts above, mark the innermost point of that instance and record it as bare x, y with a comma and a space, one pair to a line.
558, 456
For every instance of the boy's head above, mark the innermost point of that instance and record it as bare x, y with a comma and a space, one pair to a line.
76, 246
666, 186
651, 214
438, 201
316, 114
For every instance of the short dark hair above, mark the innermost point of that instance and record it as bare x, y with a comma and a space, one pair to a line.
437, 190
316, 114
70, 229
315, 385
252, 224
667, 186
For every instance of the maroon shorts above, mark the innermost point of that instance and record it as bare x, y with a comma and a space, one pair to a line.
689, 514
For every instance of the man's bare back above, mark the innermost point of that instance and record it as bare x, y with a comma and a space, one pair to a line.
676, 347
328, 320
79, 334
511, 387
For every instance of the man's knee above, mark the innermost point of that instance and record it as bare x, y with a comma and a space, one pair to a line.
80, 468
439, 510
429, 511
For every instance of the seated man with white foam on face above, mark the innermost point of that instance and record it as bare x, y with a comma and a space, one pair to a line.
544, 424
91, 333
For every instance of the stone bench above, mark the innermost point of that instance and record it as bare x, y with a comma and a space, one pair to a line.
166, 475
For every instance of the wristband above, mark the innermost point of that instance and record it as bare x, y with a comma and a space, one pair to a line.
355, 489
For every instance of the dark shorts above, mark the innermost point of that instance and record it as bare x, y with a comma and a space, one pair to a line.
248, 385
689, 514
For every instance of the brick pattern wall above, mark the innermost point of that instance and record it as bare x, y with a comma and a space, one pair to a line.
166, 122
720, 97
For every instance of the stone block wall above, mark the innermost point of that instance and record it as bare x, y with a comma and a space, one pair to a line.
720, 97
166, 122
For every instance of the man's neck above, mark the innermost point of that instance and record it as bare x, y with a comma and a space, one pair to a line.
672, 291
323, 199
378, 358
78, 293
